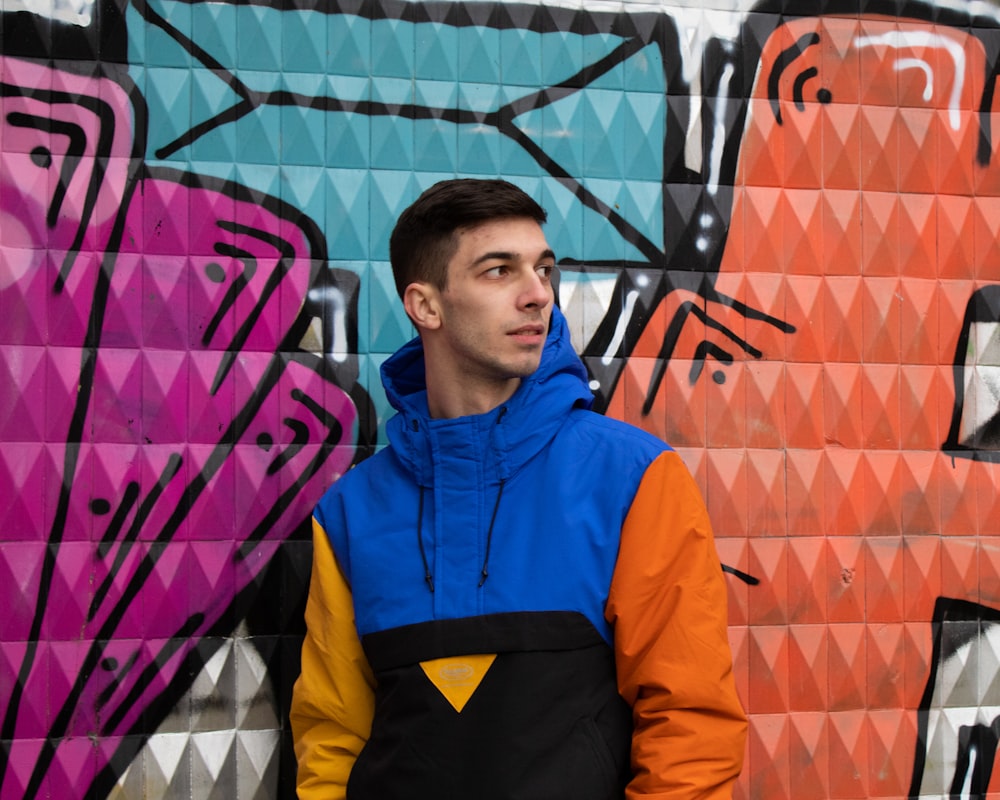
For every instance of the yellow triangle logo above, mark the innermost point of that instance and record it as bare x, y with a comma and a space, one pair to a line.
458, 677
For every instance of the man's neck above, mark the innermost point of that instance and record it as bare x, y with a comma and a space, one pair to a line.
448, 401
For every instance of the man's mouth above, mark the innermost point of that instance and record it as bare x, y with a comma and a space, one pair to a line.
528, 332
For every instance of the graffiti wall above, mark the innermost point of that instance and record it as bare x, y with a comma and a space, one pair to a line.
779, 247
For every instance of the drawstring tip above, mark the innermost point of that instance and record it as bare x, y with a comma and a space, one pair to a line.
430, 583
482, 580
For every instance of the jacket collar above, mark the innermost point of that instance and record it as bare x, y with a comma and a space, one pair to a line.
507, 436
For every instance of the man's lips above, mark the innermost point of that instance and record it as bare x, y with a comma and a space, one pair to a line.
528, 334
528, 330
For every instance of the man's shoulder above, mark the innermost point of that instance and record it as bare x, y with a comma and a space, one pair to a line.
608, 430
362, 476
610, 445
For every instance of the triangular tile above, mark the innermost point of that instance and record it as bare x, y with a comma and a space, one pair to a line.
803, 132
349, 44
880, 406
348, 144
880, 245
259, 37
803, 230
215, 687
436, 51
918, 133
956, 237
167, 765
768, 655
921, 574
165, 603
304, 45
888, 730
959, 512
842, 233
848, 667
766, 471
347, 213
20, 571
768, 561
257, 764
845, 565
213, 764
164, 396
643, 122
919, 514
884, 570
848, 736
769, 755
436, 140
726, 494
808, 751
804, 306
763, 215
805, 482
958, 169
842, 315
842, 153
394, 42
762, 152
843, 405
917, 221
256, 705
558, 119
807, 667
390, 193
603, 132
303, 133
765, 388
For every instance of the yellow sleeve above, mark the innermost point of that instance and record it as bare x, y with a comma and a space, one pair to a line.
668, 607
333, 698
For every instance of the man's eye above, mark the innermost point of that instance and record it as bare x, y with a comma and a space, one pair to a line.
546, 270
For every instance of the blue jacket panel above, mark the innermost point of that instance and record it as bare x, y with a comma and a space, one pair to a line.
493, 503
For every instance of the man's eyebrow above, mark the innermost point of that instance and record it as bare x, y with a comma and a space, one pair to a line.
509, 255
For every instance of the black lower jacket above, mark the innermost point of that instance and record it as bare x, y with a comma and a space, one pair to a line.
546, 721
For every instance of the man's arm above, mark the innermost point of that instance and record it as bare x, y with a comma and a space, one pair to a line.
333, 698
668, 607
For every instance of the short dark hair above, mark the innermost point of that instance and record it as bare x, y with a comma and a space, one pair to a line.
424, 239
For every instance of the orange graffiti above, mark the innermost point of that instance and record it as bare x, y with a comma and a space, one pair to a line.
819, 392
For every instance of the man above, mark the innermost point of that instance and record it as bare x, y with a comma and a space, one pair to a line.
517, 598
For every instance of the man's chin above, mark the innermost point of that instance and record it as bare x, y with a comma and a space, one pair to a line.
528, 369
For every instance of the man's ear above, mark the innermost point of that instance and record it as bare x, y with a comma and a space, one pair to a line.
422, 303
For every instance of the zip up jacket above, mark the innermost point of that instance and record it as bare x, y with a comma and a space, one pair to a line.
522, 604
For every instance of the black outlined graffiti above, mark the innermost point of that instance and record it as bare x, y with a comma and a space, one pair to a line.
146, 464
708, 329
975, 427
959, 715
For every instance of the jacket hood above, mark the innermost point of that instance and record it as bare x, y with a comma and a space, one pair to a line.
508, 435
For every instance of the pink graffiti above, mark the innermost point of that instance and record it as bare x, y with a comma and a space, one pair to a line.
161, 433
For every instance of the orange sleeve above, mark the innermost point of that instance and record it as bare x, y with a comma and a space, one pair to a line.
333, 700
668, 607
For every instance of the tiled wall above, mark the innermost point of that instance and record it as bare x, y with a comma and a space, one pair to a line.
779, 232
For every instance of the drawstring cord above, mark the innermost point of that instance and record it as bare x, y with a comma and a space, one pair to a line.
420, 540
484, 573
489, 535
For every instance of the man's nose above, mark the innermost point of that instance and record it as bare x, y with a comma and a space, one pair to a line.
536, 291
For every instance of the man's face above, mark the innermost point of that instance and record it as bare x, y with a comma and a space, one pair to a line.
497, 301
